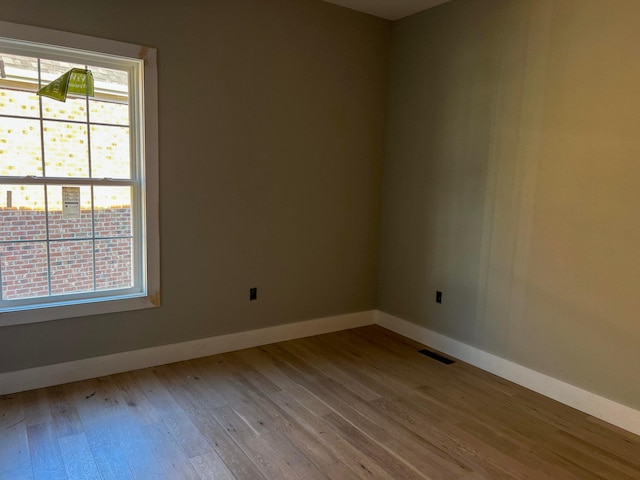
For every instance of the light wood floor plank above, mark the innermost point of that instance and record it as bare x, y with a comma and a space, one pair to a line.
171, 458
78, 460
133, 444
211, 467
326, 445
63, 412
46, 458
15, 458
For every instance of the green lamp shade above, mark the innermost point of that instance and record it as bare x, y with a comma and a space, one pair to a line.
75, 80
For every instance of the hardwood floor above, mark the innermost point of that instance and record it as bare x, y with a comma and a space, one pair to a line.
357, 404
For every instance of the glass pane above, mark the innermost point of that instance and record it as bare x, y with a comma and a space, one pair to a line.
112, 210
65, 149
109, 112
60, 227
72, 109
22, 214
113, 263
75, 107
23, 270
19, 103
18, 87
110, 155
110, 84
20, 150
71, 266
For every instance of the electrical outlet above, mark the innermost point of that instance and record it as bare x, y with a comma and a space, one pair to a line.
438, 296
253, 293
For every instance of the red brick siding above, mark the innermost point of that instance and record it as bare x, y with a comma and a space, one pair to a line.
24, 265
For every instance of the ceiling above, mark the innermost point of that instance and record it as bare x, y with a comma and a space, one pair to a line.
389, 9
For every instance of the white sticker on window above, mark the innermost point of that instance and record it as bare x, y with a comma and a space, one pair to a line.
70, 202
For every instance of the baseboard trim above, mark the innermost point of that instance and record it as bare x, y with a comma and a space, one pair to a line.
608, 410
57, 374
595, 405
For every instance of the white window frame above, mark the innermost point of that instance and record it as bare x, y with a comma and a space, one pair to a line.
144, 143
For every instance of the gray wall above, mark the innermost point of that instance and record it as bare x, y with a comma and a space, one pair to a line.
511, 184
270, 168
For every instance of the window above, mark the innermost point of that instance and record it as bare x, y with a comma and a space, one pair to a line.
78, 179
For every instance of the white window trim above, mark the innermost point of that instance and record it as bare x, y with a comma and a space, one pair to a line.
150, 187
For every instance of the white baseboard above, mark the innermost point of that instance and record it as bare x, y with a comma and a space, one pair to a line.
57, 374
612, 412
590, 403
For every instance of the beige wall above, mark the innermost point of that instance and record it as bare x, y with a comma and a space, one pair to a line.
271, 150
512, 184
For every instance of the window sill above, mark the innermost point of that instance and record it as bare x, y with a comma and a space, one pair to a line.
41, 313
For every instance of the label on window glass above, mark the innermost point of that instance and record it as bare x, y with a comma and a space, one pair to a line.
75, 80
70, 202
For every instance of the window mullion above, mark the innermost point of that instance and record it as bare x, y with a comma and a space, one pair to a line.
93, 239
64, 120
42, 155
82, 181
46, 224
93, 216
44, 186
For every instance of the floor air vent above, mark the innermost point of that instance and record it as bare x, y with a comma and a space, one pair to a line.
436, 356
